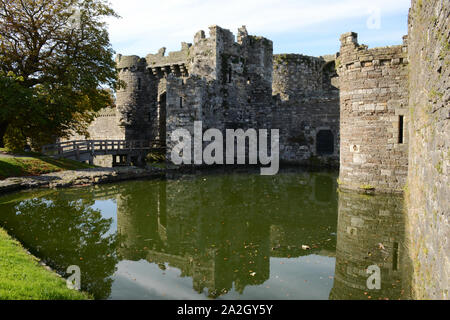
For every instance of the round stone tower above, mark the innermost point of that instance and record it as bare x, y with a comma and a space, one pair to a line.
373, 124
135, 102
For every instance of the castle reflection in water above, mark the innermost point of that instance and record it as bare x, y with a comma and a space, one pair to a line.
221, 230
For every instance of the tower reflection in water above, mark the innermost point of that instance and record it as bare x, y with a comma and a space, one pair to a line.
371, 232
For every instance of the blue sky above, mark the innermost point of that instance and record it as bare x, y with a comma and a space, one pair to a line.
310, 27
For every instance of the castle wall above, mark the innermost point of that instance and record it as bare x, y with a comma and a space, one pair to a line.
104, 127
245, 79
306, 106
185, 100
374, 117
296, 75
428, 179
204, 61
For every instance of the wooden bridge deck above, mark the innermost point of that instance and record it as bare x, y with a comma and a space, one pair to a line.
86, 149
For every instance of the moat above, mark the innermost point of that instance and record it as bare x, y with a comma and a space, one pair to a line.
220, 234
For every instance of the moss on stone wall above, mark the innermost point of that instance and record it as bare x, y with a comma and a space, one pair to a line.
427, 196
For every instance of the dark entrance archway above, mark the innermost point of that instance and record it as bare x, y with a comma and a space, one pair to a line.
325, 142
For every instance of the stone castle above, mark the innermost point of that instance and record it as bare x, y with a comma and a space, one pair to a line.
382, 113
228, 84
351, 106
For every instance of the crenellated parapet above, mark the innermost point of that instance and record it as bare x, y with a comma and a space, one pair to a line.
129, 63
174, 63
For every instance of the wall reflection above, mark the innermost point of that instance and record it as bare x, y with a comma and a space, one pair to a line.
371, 232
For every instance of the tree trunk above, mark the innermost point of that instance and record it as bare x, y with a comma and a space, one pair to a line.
3, 126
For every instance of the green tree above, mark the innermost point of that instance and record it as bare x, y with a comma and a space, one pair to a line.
56, 67
12, 94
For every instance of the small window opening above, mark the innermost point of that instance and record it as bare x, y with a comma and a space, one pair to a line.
395, 257
401, 123
181, 102
139, 84
230, 73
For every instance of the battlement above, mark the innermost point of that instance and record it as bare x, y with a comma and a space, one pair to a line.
173, 58
129, 62
356, 56
295, 58
107, 112
349, 39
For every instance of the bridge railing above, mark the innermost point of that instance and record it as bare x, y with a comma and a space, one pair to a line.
77, 147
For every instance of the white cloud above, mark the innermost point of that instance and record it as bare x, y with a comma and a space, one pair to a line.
148, 25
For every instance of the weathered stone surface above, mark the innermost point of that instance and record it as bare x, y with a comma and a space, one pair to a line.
428, 178
374, 118
104, 127
306, 105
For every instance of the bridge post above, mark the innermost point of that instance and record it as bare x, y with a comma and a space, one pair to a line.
92, 152
77, 150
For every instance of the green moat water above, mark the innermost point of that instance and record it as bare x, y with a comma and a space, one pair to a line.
223, 235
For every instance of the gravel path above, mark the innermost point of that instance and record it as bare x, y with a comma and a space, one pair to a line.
6, 155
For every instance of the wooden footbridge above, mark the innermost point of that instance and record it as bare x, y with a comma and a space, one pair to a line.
123, 152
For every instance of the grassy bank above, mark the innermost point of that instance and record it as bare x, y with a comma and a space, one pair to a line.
35, 164
22, 278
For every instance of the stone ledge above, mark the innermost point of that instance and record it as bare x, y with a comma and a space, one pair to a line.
78, 178
369, 190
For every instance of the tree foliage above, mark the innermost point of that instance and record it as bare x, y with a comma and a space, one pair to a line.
56, 66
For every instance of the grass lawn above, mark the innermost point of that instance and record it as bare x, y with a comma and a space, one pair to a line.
35, 164
22, 278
